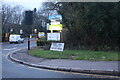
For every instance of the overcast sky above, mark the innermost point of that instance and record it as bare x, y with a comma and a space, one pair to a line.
31, 4
28, 4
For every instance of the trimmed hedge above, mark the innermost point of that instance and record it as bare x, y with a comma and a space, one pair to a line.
42, 42
45, 42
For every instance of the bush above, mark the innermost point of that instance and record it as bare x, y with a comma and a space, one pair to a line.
43, 38
42, 42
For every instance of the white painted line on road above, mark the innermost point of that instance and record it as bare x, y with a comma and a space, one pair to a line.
9, 54
15, 45
11, 48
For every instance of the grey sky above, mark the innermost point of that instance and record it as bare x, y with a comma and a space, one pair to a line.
28, 4
31, 4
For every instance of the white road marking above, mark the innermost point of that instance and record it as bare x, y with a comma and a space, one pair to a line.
11, 48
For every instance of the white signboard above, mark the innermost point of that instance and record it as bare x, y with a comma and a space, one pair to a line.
57, 46
55, 22
21, 31
53, 36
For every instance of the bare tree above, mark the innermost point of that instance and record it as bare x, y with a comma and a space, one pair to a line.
11, 15
6, 16
17, 14
48, 8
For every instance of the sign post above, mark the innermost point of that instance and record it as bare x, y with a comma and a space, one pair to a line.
55, 24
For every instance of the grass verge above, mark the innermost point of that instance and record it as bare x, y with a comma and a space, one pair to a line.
76, 55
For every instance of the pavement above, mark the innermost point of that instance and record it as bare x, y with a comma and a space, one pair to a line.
80, 66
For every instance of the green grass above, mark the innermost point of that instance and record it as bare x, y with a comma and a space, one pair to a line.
76, 55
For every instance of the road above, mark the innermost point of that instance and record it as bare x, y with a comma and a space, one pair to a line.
12, 69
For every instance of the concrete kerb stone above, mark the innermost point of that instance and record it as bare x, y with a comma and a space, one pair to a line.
116, 73
30, 64
64, 69
101, 72
79, 70
14, 59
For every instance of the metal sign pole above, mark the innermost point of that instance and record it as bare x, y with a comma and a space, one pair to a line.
28, 42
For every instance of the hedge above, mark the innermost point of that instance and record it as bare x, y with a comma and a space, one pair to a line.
41, 42
45, 42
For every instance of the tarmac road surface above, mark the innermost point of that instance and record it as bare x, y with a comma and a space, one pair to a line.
12, 69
